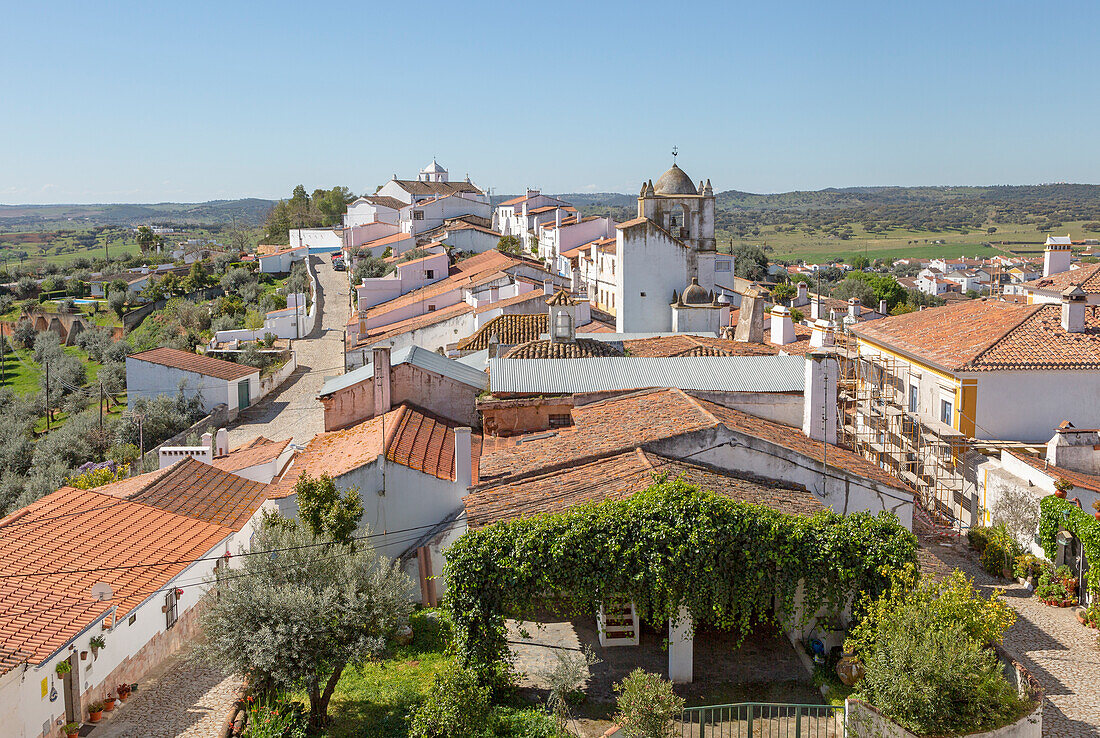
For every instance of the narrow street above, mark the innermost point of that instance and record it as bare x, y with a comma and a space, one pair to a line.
292, 411
1058, 651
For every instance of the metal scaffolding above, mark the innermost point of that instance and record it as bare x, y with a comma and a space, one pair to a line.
876, 422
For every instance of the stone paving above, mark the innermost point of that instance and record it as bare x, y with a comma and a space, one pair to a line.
1061, 653
179, 699
292, 410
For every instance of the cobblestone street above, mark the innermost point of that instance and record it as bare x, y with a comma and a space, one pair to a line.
292, 411
180, 699
1061, 653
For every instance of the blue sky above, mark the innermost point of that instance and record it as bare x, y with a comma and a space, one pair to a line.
145, 102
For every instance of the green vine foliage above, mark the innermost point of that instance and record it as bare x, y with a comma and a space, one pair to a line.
1053, 518
732, 564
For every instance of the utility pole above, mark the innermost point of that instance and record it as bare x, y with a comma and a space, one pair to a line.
3, 352
47, 396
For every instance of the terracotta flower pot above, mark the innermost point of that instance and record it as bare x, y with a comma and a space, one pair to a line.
1060, 494
73, 735
108, 704
849, 670
94, 717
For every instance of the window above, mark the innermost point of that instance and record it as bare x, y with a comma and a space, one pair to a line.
560, 421
418, 215
170, 613
721, 266
641, 294
912, 398
132, 620
431, 308
429, 273
947, 411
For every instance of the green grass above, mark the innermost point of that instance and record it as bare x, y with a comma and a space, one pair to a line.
817, 247
375, 700
22, 378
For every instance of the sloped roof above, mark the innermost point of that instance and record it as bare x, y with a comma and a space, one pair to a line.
682, 344
188, 361
195, 489
417, 322
618, 477
416, 187
510, 330
581, 348
1079, 479
259, 450
1087, 278
633, 421
410, 436
989, 335
73, 529
417, 356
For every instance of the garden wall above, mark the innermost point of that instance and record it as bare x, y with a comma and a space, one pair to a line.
272, 382
218, 418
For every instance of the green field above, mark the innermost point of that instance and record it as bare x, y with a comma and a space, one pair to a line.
31, 248
22, 377
795, 245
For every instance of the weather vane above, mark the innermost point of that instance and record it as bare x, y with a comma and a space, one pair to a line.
675, 151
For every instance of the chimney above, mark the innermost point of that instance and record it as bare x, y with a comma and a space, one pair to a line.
207, 441
221, 442
822, 335
494, 346
803, 293
381, 361
782, 327
854, 306
1056, 257
557, 217
548, 288
819, 398
1073, 310
882, 307
463, 463
750, 318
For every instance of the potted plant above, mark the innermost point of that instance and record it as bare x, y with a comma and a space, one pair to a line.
108, 703
1096, 507
1062, 488
72, 730
63, 668
123, 692
83, 655
96, 643
95, 712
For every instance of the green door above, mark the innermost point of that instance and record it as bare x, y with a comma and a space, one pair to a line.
242, 394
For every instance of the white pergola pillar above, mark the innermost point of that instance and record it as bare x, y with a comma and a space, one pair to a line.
681, 647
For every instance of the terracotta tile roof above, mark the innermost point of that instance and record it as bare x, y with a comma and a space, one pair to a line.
596, 326
1079, 479
11, 659
513, 201
618, 477
535, 297
510, 330
685, 345
631, 223
401, 327
1087, 278
416, 187
579, 349
260, 450
196, 363
83, 529
632, 421
387, 240
190, 487
950, 336
412, 438
385, 201
990, 335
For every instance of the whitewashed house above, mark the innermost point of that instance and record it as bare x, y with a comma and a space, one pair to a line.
166, 371
279, 259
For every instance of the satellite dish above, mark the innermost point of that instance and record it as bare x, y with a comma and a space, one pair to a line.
102, 591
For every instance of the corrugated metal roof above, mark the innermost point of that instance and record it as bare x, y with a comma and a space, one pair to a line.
707, 373
416, 356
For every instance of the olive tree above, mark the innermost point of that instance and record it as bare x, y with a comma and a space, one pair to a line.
295, 618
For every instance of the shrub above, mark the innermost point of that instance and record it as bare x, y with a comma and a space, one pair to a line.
978, 537
457, 707
23, 334
1000, 551
933, 679
512, 723
277, 720
565, 678
116, 301
1052, 589
1029, 565
647, 705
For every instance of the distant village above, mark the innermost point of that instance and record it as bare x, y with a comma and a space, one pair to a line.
516, 359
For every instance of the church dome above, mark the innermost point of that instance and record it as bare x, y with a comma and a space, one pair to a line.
434, 168
695, 294
675, 182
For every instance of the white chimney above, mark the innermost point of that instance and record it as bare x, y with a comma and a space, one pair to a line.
221, 442
854, 306
1056, 255
207, 440
1074, 301
822, 335
381, 362
548, 288
782, 327
463, 463
803, 293
819, 398
882, 307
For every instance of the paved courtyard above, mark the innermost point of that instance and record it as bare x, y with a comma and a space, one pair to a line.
1061, 653
292, 411
179, 699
